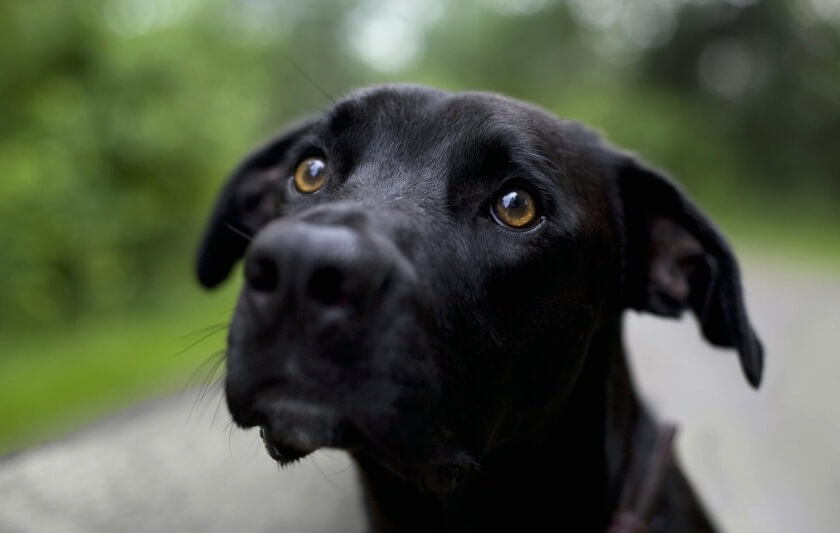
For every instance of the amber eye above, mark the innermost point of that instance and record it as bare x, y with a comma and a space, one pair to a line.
310, 175
515, 208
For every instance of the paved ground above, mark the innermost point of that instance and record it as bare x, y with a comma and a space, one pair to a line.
765, 462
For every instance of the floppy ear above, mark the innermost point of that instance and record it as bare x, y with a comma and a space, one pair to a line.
245, 205
676, 259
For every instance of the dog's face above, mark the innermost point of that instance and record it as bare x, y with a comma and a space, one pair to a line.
424, 273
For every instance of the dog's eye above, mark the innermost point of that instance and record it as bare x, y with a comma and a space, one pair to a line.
310, 175
515, 208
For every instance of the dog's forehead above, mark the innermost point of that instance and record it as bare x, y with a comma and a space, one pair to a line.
434, 148
404, 127
429, 117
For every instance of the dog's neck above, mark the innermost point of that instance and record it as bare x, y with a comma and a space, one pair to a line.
570, 473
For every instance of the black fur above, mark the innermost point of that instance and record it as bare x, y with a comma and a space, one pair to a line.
475, 372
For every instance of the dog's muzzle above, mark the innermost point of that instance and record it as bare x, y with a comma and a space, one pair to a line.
317, 346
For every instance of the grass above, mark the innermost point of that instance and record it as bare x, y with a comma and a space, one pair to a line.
55, 381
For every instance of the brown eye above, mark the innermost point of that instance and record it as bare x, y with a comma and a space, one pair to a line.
310, 175
515, 209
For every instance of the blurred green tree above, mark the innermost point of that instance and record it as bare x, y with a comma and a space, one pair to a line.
119, 118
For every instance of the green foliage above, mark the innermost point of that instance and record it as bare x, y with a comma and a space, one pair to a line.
120, 118
54, 382
105, 146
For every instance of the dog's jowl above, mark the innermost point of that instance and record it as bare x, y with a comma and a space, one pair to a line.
435, 283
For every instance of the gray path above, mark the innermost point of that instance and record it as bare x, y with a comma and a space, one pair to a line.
765, 462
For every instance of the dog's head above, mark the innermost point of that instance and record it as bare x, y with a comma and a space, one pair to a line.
425, 271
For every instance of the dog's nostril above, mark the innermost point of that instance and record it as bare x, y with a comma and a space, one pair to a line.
325, 286
261, 274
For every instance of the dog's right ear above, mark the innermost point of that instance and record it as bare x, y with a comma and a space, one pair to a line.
245, 205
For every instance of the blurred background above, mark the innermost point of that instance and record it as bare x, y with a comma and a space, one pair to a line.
119, 120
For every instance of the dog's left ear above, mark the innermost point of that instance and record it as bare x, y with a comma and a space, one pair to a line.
244, 206
676, 259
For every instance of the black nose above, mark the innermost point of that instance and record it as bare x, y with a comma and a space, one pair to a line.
308, 264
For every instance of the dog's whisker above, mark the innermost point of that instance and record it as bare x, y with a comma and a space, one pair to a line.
342, 470
214, 330
231, 429
309, 78
546, 159
213, 385
216, 411
323, 474
209, 367
204, 367
239, 232
211, 382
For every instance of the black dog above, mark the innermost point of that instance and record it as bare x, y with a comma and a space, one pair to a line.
435, 283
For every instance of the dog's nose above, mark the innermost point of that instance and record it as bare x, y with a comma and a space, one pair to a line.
304, 263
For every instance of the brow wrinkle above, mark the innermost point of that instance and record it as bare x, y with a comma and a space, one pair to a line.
552, 164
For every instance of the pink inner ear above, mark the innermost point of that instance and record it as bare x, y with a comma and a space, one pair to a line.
672, 249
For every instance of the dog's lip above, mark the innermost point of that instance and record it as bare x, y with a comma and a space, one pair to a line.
282, 453
295, 427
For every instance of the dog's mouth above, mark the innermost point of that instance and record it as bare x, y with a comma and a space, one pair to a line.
293, 428
282, 453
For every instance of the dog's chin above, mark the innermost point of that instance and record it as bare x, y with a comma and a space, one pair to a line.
284, 454
293, 428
